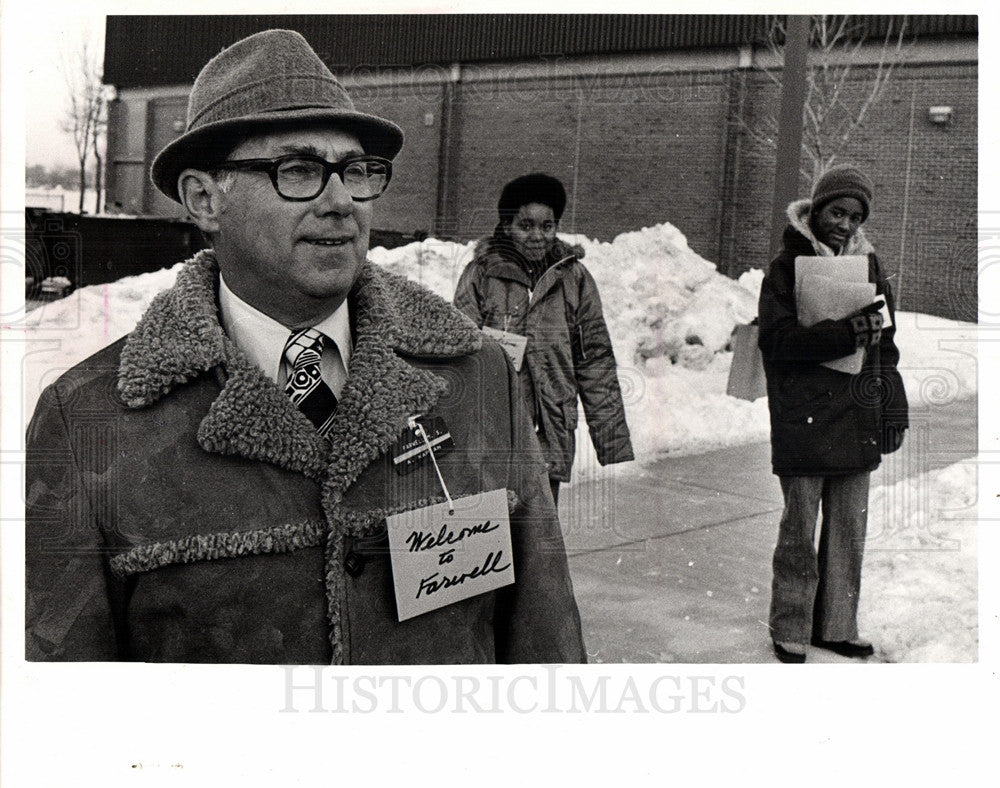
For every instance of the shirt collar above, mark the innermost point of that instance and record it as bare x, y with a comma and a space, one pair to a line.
263, 338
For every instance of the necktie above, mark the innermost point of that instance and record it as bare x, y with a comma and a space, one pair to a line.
305, 386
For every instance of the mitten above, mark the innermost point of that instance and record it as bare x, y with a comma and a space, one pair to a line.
867, 325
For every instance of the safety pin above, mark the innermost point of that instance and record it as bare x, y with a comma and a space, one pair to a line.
418, 427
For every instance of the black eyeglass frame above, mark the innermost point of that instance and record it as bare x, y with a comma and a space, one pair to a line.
270, 166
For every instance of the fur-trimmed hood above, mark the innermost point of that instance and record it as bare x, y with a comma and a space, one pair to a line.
798, 217
180, 338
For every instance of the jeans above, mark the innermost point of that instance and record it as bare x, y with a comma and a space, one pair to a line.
815, 593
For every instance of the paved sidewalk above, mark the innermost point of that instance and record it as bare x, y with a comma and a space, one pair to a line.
673, 563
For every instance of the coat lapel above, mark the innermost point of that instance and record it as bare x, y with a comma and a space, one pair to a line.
394, 317
253, 418
552, 276
180, 338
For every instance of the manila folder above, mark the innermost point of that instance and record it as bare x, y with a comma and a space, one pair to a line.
827, 298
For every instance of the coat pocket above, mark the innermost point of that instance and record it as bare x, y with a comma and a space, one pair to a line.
811, 409
813, 401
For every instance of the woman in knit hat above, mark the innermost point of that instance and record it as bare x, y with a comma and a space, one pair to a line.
529, 289
829, 427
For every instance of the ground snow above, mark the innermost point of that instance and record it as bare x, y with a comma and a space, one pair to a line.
919, 586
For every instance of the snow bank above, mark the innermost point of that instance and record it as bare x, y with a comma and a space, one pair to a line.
64, 332
919, 585
670, 315
660, 298
669, 312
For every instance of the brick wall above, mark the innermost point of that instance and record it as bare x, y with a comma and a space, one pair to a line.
410, 202
648, 145
632, 150
924, 219
642, 150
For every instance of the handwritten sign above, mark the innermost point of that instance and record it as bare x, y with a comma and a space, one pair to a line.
440, 558
514, 344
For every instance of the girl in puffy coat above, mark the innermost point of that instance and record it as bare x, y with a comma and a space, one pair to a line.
828, 428
530, 290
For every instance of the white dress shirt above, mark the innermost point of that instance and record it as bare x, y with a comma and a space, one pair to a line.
263, 339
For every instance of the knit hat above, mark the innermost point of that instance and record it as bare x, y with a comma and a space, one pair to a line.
270, 78
843, 180
536, 187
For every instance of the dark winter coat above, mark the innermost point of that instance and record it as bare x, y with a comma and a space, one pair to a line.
568, 353
824, 422
181, 509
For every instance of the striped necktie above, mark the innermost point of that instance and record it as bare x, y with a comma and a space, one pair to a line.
305, 386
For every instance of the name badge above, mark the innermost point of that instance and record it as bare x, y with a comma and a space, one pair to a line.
514, 344
411, 448
439, 558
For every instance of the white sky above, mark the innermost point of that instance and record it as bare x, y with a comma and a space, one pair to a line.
46, 94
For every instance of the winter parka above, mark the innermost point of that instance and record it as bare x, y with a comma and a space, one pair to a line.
181, 509
568, 353
824, 422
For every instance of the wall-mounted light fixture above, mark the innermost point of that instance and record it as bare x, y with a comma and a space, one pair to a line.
940, 115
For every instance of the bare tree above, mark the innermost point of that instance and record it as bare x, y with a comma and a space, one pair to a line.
86, 113
838, 99
98, 134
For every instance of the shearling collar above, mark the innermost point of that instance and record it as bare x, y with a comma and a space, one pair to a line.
798, 216
180, 338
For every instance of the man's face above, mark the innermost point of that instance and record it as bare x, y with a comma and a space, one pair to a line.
294, 261
837, 221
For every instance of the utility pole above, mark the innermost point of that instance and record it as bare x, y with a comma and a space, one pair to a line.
793, 97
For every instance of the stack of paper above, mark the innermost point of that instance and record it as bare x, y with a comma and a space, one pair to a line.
831, 288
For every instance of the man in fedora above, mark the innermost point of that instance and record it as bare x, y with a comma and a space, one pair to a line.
219, 485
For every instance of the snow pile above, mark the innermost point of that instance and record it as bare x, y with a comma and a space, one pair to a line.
661, 299
676, 305
670, 315
669, 312
919, 585
434, 264
937, 358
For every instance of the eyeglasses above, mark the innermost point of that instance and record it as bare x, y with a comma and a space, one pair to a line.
300, 177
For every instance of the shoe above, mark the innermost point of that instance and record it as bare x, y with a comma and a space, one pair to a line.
789, 653
846, 648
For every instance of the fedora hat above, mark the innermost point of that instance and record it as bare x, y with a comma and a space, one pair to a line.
267, 79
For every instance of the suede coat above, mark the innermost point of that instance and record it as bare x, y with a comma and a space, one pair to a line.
181, 509
823, 421
568, 353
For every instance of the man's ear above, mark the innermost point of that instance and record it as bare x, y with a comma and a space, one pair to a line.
202, 198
